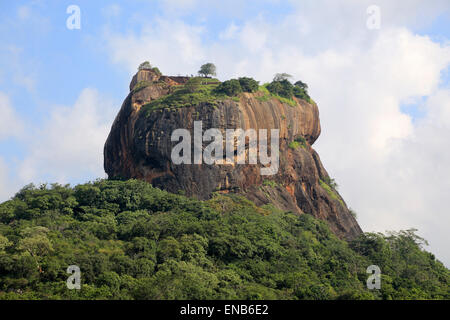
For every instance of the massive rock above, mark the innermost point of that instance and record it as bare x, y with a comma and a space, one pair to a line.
139, 146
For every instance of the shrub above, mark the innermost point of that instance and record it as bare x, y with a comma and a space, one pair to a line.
156, 70
193, 84
281, 88
301, 94
301, 91
331, 182
294, 145
145, 66
331, 190
274, 87
300, 139
230, 87
270, 183
301, 85
248, 84
267, 95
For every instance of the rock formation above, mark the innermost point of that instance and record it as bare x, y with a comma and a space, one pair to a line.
139, 146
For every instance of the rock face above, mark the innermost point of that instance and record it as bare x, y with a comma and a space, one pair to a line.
139, 146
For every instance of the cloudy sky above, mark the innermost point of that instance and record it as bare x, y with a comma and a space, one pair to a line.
382, 86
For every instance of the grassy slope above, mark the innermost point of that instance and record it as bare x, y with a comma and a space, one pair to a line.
181, 97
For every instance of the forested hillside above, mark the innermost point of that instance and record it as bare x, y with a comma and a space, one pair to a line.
133, 241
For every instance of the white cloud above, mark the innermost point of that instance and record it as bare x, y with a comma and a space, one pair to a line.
392, 170
111, 11
167, 44
177, 5
4, 181
409, 186
230, 32
69, 146
10, 124
23, 12
30, 15
8, 185
23, 71
252, 38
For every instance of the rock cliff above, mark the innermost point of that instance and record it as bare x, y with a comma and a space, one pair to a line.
139, 146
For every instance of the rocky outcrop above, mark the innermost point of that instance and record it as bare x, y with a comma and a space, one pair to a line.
139, 146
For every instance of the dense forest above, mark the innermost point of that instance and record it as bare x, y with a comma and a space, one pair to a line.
133, 241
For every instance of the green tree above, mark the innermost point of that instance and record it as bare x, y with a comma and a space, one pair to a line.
133, 241
248, 84
35, 243
282, 76
230, 87
208, 69
301, 91
282, 88
301, 85
4, 243
145, 66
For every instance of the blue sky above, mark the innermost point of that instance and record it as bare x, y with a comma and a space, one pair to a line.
75, 59
382, 94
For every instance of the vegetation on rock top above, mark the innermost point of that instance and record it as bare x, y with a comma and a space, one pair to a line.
204, 89
147, 66
197, 90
